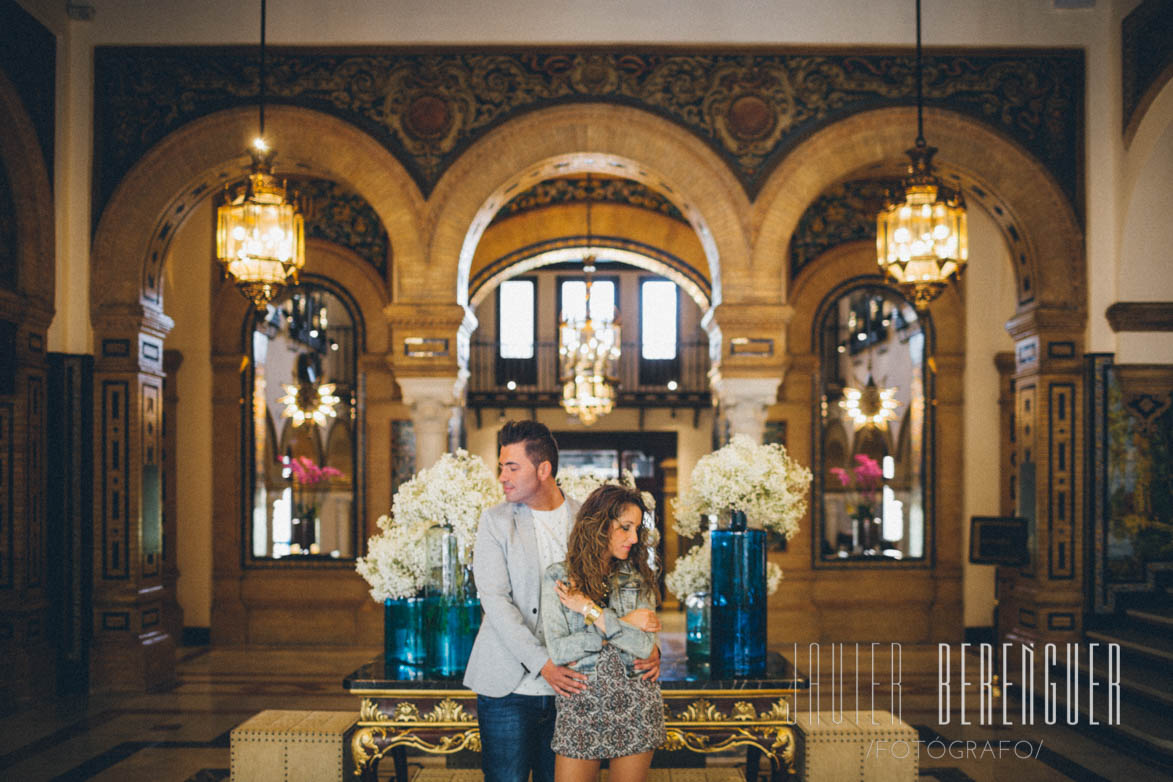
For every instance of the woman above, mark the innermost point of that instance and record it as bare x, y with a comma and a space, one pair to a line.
598, 614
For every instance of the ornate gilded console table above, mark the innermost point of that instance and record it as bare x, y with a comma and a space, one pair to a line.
401, 709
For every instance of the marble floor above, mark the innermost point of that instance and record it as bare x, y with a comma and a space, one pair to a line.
181, 735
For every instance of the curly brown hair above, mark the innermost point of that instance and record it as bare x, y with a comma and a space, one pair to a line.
589, 563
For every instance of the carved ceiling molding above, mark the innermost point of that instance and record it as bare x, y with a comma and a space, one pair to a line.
427, 107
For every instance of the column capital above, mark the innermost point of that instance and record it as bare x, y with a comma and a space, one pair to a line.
1048, 340
432, 399
746, 400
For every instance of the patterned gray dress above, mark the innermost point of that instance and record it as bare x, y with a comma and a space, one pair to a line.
616, 716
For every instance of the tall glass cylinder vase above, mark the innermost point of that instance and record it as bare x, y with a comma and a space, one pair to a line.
450, 604
738, 593
697, 632
403, 640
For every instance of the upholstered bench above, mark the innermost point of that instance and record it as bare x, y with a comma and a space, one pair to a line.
863, 745
292, 746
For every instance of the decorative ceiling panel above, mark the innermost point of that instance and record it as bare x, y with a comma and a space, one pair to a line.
428, 106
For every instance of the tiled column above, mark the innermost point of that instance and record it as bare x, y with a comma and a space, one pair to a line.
24, 621
131, 648
172, 611
1046, 598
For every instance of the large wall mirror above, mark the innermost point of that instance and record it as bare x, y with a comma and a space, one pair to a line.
873, 428
301, 445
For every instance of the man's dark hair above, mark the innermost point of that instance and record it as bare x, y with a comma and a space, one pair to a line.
539, 443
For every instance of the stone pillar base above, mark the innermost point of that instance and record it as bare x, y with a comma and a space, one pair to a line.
28, 672
125, 662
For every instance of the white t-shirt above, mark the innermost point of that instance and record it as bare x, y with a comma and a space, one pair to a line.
552, 530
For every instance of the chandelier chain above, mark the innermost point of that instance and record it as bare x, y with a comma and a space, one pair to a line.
262, 86
920, 107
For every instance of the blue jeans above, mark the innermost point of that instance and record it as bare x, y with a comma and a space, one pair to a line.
516, 732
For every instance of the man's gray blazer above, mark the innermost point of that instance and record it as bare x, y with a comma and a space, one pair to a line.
508, 576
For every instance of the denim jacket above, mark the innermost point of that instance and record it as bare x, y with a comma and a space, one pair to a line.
570, 639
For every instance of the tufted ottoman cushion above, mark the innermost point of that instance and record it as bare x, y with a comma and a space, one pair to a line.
855, 748
292, 746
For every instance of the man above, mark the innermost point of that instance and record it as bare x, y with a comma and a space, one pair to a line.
509, 668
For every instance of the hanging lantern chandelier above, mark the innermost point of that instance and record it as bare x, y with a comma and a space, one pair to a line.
589, 352
922, 238
260, 236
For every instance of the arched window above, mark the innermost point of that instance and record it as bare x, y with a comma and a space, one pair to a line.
300, 451
873, 413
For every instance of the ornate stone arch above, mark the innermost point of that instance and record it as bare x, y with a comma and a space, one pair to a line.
133, 233
26, 309
1039, 222
130, 245
24, 164
616, 140
238, 614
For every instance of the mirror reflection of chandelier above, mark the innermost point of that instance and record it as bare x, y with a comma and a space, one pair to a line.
870, 406
309, 401
921, 234
260, 236
589, 351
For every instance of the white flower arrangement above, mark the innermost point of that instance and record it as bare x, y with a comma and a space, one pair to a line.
454, 491
693, 573
761, 480
395, 561
578, 484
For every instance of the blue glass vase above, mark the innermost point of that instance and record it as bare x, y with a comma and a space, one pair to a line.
452, 611
403, 640
738, 594
450, 627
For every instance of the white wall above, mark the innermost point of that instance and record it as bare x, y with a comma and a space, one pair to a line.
989, 302
1145, 272
189, 269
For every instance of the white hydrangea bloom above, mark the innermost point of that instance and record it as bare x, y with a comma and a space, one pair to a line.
578, 484
455, 491
691, 573
394, 564
761, 480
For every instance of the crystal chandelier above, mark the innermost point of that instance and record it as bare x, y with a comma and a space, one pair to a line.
260, 236
589, 352
870, 406
921, 234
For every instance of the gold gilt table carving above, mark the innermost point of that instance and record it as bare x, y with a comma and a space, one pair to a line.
400, 709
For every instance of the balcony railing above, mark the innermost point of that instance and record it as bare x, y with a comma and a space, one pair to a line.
679, 382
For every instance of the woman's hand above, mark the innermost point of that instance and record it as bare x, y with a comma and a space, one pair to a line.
643, 619
571, 598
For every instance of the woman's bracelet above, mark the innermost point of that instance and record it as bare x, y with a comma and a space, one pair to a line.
592, 613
